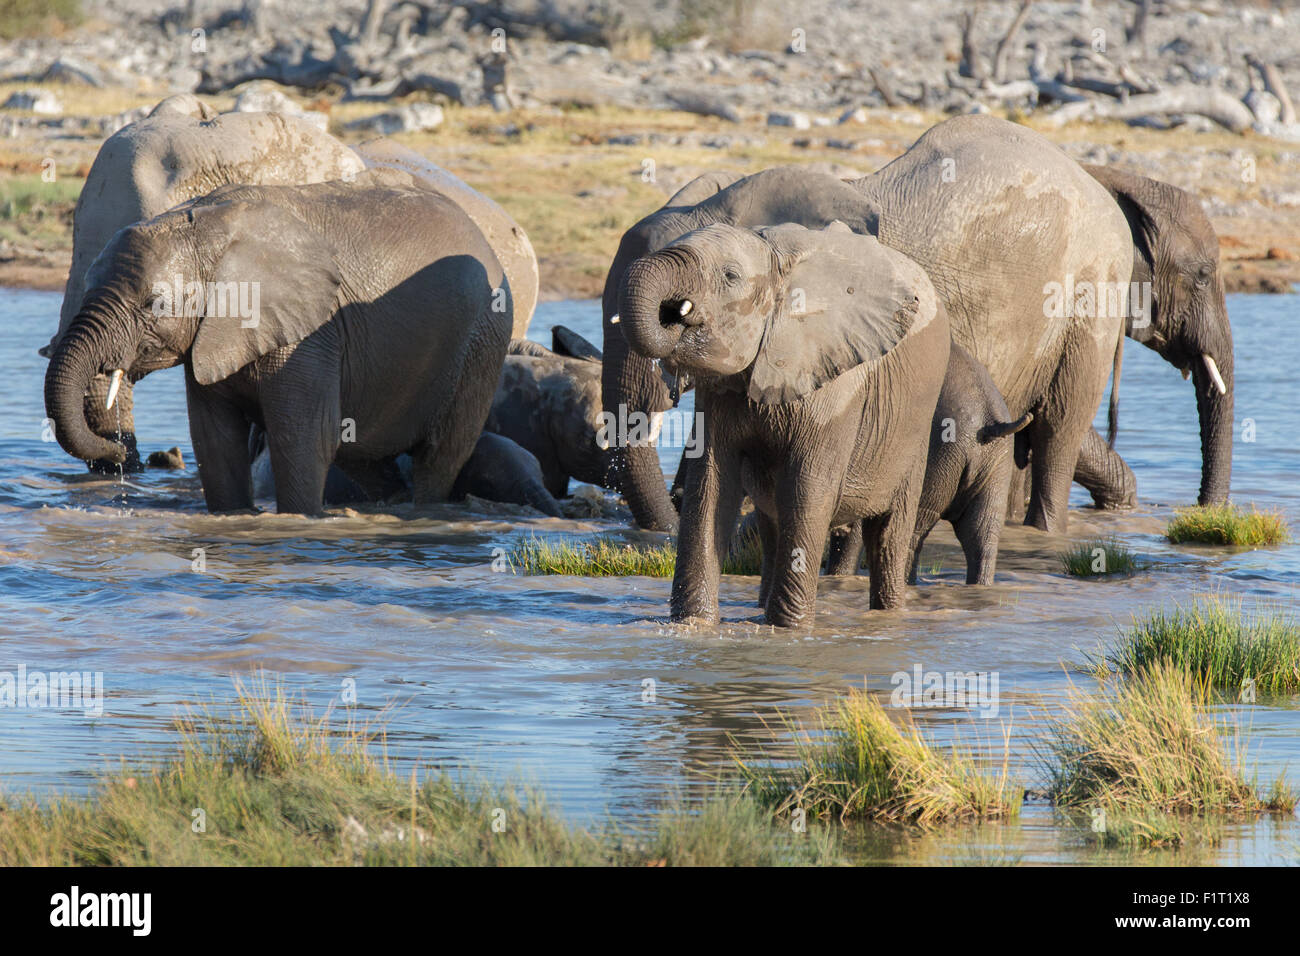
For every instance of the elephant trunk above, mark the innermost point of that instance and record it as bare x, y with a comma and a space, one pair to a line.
1213, 376
652, 304
77, 360
630, 383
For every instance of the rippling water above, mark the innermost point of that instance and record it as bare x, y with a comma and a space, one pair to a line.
541, 679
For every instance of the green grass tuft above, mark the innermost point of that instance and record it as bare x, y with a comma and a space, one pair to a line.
599, 558
606, 558
1228, 524
1215, 640
1144, 747
277, 787
1101, 557
860, 764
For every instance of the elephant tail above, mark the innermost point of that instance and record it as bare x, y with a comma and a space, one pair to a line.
1002, 429
1112, 411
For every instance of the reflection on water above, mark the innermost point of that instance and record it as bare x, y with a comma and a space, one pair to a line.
541, 679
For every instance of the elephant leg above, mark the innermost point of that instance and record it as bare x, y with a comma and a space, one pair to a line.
303, 434
767, 538
926, 519
1018, 485
449, 439
116, 423
804, 513
1105, 474
846, 549
710, 508
888, 539
219, 431
978, 529
1057, 434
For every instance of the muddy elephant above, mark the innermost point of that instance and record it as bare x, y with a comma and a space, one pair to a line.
501, 470
182, 150
818, 357
1176, 261
548, 401
967, 474
372, 320
1011, 232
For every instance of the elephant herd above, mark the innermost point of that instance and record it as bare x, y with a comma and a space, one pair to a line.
869, 357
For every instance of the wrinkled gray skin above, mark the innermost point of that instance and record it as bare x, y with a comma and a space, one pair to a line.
818, 357
508, 240
393, 329
967, 474
1175, 248
182, 150
785, 194
500, 470
548, 402
1017, 215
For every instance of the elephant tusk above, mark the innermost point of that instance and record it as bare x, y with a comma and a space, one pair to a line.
113, 386
685, 310
1187, 373
613, 319
1214, 373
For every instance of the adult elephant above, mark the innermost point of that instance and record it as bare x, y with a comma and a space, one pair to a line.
369, 323
182, 150
998, 217
1176, 256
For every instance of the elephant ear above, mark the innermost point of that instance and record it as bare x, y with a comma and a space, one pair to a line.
1132, 194
292, 283
844, 300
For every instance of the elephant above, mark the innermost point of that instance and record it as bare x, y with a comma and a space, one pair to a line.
548, 401
1176, 256
818, 357
501, 470
967, 473
508, 240
182, 150
379, 321
630, 382
997, 216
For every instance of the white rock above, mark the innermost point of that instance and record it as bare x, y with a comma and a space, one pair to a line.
38, 101
405, 119
792, 120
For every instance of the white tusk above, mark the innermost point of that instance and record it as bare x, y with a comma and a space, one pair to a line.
613, 319
686, 308
113, 386
1214, 373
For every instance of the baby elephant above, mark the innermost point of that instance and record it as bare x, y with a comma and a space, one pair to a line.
353, 320
967, 474
818, 356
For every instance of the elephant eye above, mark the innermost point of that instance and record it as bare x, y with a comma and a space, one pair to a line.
731, 274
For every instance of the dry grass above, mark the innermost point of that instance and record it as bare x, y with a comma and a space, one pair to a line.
858, 764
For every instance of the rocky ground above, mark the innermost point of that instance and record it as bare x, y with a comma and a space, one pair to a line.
580, 115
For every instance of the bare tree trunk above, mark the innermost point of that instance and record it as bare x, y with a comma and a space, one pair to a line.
886, 88
970, 59
1274, 84
1137, 33
1005, 45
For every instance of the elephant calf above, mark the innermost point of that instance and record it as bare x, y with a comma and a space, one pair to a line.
352, 320
967, 473
818, 357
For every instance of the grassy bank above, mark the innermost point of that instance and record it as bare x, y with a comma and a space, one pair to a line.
1228, 524
1214, 639
271, 786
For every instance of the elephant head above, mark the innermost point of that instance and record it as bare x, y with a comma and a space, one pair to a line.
629, 381
1176, 256
775, 313
204, 284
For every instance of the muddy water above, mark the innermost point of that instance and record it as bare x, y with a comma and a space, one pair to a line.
544, 679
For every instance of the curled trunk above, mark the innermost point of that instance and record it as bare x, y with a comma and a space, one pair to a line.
76, 362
